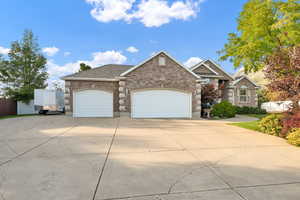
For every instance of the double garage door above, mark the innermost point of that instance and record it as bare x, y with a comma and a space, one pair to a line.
144, 104
161, 104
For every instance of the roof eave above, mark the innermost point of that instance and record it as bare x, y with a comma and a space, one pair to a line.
238, 80
137, 66
220, 68
89, 79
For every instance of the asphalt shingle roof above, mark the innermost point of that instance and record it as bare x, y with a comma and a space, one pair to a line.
110, 71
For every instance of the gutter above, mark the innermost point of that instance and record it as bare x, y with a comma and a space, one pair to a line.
88, 79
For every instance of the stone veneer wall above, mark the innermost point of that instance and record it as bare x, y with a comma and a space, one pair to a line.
153, 76
233, 91
71, 86
253, 102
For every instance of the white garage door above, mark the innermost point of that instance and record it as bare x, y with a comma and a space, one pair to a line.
93, 103
161, 104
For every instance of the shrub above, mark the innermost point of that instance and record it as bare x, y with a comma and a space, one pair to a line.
289, 122
249, 110
271, 124
294, 137
223, 110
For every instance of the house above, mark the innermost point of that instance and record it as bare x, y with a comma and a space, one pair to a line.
159, 87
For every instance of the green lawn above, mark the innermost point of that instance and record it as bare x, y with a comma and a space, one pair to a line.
248, 125
253, 125
15, 116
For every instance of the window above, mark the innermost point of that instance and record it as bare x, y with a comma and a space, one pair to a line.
243, 94
206, 80
162, 61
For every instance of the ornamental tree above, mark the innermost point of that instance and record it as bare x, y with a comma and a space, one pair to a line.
209, 94
283, 68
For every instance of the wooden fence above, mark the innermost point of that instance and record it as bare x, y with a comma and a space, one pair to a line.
8, 107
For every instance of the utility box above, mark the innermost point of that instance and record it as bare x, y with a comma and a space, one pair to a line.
49, 100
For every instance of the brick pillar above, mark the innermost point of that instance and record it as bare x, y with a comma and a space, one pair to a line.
67, 97
230, 95
197, 112
256, 99
122, 98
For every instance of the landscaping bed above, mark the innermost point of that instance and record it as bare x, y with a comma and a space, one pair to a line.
272, 124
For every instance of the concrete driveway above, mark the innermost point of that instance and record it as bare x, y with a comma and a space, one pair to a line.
61, 158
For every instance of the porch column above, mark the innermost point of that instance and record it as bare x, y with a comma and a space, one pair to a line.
122, 97
197, 111
67, 97
230, 94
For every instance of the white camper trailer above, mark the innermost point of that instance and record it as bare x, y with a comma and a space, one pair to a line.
49, 100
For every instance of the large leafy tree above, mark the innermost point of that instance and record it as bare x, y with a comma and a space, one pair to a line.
84, 67
24, 70
264, 27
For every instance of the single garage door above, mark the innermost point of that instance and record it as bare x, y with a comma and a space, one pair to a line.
93, 103
161, 104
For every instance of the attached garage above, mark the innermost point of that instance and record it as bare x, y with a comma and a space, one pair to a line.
92, 103
161, 104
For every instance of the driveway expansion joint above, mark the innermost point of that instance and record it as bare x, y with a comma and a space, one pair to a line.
36, 146
232, 188
267, 185
106, 159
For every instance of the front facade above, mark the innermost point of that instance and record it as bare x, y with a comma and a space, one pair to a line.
160, 87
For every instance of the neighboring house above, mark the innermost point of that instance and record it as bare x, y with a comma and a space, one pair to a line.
159, 87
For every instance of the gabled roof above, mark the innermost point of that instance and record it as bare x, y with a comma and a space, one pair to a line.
214, 63
106, 72
207, 67
161, 52
241, 78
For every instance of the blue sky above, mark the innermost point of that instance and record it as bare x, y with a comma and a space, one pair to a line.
101, 31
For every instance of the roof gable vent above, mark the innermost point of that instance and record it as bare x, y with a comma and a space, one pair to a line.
162, 61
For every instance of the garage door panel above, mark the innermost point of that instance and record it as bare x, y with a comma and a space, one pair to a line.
161, 104
93, 103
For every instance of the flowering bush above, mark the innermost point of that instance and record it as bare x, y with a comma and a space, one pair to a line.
271, 124
294, 137
289, 122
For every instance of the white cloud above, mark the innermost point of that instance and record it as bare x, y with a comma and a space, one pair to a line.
109, 10
50, 51
55, 84
98, 59
192, 61
152, 13
67, 53
4, 50
132, 49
